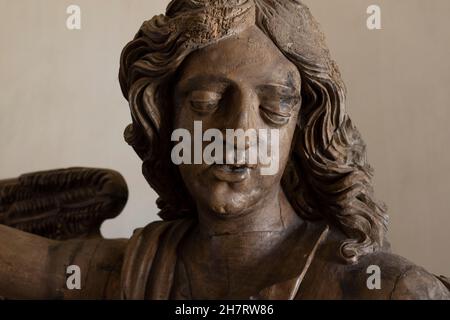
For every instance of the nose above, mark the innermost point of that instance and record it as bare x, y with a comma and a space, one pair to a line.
242, 118
242, 109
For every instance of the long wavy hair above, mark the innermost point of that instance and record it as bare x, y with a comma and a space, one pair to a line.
327, 175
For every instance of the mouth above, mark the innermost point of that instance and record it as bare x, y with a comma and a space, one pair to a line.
231, 172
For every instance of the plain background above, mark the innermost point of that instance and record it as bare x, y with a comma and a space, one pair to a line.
61, 106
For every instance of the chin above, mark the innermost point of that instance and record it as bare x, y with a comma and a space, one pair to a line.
224, 202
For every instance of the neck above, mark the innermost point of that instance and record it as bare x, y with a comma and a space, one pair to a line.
237, 254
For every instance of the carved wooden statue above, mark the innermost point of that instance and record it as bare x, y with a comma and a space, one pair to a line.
308, 231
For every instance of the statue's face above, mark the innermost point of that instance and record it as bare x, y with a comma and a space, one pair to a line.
241, 82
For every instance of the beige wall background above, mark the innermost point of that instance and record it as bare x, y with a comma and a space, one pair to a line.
61, 106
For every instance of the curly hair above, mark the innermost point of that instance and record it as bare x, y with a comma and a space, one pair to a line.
327, 175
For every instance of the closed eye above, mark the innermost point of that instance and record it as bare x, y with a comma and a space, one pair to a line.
276, 118
203, 101
278, 112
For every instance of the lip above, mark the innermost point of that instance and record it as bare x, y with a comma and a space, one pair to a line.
228, 173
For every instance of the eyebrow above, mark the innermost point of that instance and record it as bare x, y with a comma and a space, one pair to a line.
203, 80
285, 89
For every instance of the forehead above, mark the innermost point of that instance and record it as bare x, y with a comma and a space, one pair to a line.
250, 56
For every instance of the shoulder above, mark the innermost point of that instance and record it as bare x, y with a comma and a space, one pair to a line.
401, 279
417, 283
151, 250
380, 275
157, 232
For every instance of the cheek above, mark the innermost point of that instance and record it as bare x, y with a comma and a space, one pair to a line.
191, 175
183, 117
286, 141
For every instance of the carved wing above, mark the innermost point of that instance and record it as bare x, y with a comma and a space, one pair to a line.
445, 281
62, 204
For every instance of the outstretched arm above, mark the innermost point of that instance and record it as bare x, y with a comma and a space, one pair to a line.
60, 205
32, 267
24, 260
